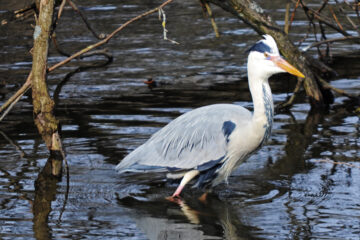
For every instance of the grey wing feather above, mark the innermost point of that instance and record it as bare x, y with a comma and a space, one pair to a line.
194, 138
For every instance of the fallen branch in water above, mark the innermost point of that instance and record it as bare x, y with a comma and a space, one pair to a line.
327, 85
290, 102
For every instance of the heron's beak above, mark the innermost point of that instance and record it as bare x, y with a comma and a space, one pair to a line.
283, 64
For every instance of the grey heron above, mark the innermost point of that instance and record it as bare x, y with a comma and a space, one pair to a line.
208, 143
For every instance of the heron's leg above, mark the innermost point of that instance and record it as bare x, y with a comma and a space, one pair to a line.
187, 178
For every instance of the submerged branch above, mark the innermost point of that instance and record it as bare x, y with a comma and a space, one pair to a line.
341, 92
290, 102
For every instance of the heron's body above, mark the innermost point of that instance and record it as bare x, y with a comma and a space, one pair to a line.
211, 141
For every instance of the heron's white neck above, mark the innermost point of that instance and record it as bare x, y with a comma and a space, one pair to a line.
262, 99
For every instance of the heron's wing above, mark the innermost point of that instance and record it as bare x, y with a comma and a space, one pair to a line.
192, 140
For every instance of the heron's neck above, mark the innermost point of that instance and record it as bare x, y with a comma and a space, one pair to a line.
262, 100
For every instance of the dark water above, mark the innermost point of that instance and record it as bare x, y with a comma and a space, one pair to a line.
285, 191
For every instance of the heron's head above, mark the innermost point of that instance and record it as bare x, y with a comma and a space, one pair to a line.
264, 59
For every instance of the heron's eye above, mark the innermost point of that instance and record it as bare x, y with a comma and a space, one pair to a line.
266, 55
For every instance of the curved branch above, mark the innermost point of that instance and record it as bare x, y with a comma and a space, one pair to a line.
21, 91
315, 44
76, 9
290, 102
80, 69
327, 85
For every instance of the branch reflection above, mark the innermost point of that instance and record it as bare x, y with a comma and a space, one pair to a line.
45, 193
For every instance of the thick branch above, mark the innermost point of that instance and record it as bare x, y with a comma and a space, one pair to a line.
43, 104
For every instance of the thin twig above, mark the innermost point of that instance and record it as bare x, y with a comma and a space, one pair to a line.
311, 22
293, 14
59, 86
76, 9
323, 37
104, 52
286, 27
111, 35
21, 91
321, 18
212, 19
327, 85
291, 100
344, 13
57, 18
322, 6
356, 28
305, 37
315, 44
11, 106
335, 18
326, 160
357, 6
61, 8
53, 38
22, 153
162, 16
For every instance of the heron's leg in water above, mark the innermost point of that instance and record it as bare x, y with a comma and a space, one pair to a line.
187, 178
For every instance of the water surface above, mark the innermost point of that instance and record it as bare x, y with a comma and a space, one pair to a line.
290, 189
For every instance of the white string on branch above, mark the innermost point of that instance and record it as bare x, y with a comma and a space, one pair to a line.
162, 17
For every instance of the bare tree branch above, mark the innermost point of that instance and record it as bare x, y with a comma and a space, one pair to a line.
349, 38
27, 84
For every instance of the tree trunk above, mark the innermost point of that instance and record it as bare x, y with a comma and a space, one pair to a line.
43, 104
253, 15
